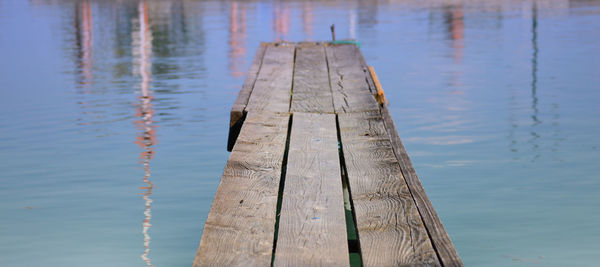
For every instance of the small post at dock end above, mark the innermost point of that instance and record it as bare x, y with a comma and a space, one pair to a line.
332, 27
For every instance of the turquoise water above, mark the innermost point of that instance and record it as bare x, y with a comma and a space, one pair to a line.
114, 119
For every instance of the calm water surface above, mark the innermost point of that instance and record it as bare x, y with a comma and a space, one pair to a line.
114, 119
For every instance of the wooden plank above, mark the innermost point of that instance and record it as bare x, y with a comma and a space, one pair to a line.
312, 228
378, 94
350, 90
273, 87
239, 229
444, 247
237, 111
389, 226
311, 92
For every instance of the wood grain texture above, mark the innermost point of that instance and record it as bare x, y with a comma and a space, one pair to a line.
396, 223
348, 80
239, 229
311, 92
312, 228
273, 86
443, 245
440, 239
236, 116
390, 229
378, 94
237, 111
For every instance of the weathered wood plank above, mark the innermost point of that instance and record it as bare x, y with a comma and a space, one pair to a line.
440, 239
348, 80
378, 94
237, 111
273, 86
396, 222
312, 228
239, 229
311, 92
389, 226
443, 245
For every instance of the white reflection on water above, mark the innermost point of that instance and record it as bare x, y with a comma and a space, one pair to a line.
145, 111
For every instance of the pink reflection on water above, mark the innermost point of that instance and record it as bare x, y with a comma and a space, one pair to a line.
83, 23
307, 19
456, 29
145, 112
281, 20
237, 39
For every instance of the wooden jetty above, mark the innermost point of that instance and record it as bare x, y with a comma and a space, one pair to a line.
317, 173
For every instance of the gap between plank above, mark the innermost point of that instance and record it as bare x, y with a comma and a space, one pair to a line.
284, 163
293, 74
353, 245
234, 130
331, 90
281, 186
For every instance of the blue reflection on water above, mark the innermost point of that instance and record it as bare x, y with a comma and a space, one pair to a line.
496, 102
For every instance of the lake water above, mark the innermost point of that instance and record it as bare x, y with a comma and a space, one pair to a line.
114, 120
